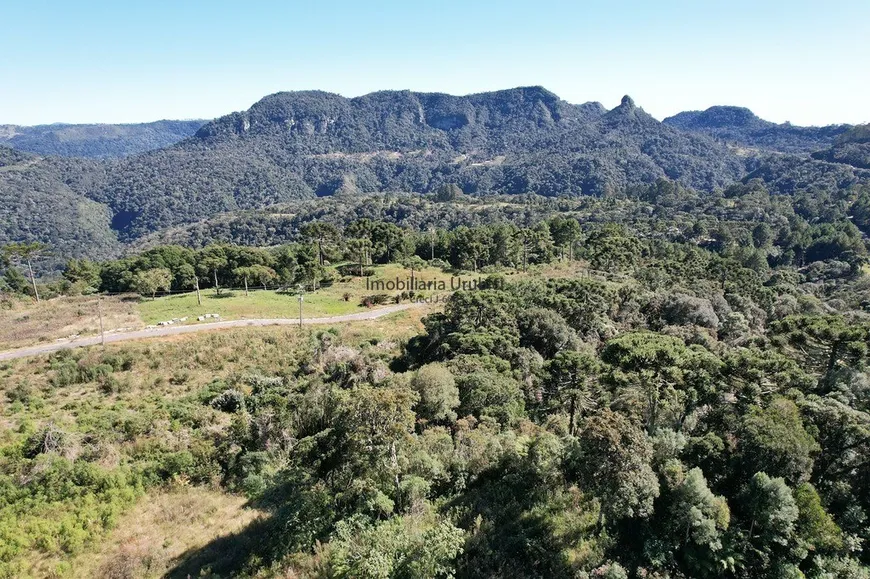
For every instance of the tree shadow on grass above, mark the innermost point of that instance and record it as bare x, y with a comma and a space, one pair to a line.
221, 296
228, 556
299, 514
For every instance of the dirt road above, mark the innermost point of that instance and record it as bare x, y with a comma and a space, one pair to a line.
175, 330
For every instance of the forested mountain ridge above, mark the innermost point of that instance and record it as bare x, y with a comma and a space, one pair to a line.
521, 121
741, 126
300, 145
96, 140
303, 145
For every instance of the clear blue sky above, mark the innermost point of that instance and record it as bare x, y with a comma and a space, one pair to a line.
132, 60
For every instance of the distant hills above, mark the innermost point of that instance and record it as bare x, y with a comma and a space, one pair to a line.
740, 126
302, 145
735, 125
96, 141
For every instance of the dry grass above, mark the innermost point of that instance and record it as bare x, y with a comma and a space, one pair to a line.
559, 269
24, 322
151, 539
176, 366
394, 328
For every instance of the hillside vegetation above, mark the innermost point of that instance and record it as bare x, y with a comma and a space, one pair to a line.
292, 146
851, 148
662, 383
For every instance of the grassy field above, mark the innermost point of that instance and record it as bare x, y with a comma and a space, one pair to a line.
342, 297
23, 322
236, 306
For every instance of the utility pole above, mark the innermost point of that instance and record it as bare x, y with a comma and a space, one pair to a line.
198, 295
100, 312
301, 297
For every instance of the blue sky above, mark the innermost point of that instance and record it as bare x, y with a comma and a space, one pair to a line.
132, 60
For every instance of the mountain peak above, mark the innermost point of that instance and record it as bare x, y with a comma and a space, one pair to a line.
591, 110
718, 117
629, 111
740, 125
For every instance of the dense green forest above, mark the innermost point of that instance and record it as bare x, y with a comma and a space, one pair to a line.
807, 227
298, 146
851, 148
692, 403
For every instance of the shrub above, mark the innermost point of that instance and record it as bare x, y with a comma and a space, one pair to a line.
375, 300
68, 371
352, 270
120, 362
65, 373
48, 440
180, 377
254, 485
260, 383
210, 391
21, 392
109, 384
230, 400
91, 373
175, 463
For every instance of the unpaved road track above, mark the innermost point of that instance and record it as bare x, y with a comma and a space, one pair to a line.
176, 330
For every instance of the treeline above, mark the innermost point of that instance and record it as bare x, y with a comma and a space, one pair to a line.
664, 209
361, 244
819, 233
